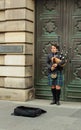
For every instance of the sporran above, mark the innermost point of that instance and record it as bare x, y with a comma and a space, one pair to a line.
54, 75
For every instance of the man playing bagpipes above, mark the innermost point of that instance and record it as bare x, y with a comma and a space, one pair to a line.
55, 63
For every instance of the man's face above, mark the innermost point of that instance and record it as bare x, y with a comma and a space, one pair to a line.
53, 49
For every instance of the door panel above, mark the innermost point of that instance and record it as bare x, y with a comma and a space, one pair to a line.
58, 21
73, 88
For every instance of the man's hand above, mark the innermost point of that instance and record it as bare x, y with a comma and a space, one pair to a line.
53, 66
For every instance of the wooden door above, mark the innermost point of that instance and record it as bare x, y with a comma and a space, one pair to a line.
58, 21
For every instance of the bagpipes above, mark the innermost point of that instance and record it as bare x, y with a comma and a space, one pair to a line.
57, 61
60, 61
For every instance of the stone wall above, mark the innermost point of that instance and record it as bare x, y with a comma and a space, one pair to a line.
16, 50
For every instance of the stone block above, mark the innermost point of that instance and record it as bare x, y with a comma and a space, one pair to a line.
29, 60
18, 60
30, 4
30, 94
28, 71
19, 14
2, 4
15, 14
15, 3
28, 49
29, 37
2, 15
29, 26
15, 26
2, 26
2, 59
2, 81
18, 82
29, 15
15, 37
16, 71
17, 94
2, 37
14, 60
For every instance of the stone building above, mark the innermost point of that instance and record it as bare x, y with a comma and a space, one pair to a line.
16, 49
27, 29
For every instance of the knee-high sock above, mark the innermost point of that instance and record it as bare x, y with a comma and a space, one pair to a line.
54, 94
58, 92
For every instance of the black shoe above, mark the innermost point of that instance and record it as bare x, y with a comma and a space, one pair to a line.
53, 102
58, 103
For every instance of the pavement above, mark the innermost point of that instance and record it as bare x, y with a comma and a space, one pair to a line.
67, 116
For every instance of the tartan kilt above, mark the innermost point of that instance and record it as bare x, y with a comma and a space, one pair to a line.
56, 81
